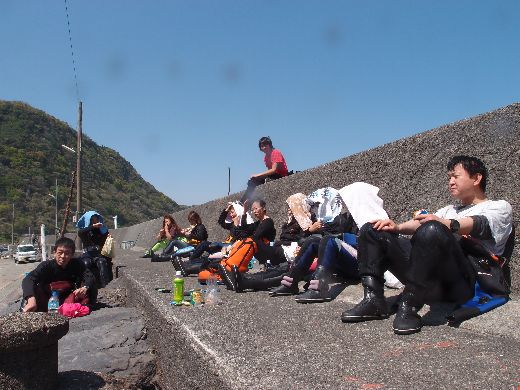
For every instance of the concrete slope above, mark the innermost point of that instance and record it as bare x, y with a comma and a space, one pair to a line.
410, 173
253, 341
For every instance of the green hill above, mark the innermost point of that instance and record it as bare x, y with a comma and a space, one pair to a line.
31, 159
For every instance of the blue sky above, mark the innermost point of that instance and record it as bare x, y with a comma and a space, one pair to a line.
184, 89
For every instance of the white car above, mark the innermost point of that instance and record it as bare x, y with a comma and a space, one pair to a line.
25, 252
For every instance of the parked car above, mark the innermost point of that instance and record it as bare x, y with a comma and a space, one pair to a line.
26, 252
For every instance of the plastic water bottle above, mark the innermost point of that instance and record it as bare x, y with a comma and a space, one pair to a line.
212, 294
54, 303
178, 288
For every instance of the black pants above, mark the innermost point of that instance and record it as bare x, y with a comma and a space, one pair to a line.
431, 264
264, 280
254, 182
266, 252
100, 266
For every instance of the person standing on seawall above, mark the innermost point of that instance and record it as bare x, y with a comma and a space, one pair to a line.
276, 167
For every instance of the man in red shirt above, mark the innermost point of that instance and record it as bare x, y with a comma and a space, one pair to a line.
275, 163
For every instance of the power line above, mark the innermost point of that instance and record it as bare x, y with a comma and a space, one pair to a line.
72, 52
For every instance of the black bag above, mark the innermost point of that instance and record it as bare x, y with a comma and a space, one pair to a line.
489, 268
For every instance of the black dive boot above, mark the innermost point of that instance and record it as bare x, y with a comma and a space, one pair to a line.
186, 267
159, 258
252, 282
318, 288
289, 284
228, 277
372, 307
407, 321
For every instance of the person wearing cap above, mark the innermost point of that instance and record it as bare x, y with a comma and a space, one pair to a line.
276, 167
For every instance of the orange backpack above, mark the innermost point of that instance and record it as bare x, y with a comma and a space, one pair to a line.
240, 255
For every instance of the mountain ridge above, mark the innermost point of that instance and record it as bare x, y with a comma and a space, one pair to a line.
31, 159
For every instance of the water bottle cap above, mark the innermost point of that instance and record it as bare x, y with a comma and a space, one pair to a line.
54, 293
178, 273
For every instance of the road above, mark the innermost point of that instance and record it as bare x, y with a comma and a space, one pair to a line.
11, 276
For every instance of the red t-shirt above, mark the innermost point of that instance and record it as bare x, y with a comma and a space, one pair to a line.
276, 157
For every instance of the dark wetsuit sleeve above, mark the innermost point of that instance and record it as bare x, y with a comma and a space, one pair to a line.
198, 233
222, 221
265, 230
37, 275
481, 229
88, 278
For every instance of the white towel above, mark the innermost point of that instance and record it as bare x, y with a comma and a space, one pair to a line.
239, 210
363, 203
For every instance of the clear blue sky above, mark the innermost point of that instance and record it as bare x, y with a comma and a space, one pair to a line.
184, 89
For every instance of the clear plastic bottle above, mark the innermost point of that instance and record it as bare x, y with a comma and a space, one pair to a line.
212, 293
178, 288
54, 302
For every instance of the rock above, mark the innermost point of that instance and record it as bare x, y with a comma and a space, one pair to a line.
109, 341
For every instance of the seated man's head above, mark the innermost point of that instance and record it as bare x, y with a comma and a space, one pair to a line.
265, 144
467, 177
63, 251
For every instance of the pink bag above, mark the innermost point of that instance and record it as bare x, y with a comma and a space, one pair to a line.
72, 310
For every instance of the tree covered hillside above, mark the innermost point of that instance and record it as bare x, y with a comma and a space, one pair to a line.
31, 159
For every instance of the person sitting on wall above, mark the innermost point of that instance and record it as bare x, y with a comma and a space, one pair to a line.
276, 168
435, 265
298, 226
169, 231
230, 219
195, 236
65, 274
242, 251
93, 234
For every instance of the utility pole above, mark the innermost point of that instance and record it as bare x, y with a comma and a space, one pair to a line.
12, 228
229, 180
78, 168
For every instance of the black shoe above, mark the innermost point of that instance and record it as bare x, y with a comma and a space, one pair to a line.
320, 291
227, 277
159, 259
147, 255
372, 307
285, 290
407, 321
179, 265
314, 296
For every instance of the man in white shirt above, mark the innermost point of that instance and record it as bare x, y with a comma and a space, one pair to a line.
432, 264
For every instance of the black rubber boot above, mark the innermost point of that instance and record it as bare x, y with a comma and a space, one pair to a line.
320, 279
186, 267
244, 282
288, 287
228, 277
160, 258
372, 307
407, 321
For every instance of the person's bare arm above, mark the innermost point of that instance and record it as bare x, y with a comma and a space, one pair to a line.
466, 223
269, 172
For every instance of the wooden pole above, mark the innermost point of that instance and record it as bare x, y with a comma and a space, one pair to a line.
67, 206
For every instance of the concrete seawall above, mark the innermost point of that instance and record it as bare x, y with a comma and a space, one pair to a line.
410, 173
